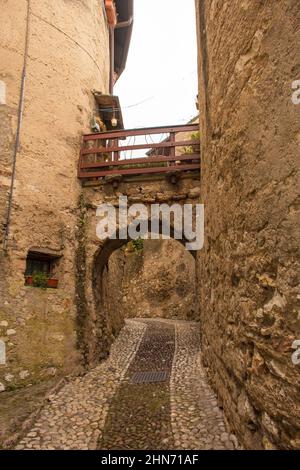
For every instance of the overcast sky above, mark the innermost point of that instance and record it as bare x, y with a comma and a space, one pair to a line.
161, 69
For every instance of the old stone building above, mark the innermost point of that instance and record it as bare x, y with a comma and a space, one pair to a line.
50, 97
54, 56
64, 294
248, 60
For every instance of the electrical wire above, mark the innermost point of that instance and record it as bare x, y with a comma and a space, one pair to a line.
128, 143
112, 109
141, 102
71, 39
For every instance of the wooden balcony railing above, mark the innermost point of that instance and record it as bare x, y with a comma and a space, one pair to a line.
164, 149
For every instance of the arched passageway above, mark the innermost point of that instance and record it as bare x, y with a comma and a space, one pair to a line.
115, 297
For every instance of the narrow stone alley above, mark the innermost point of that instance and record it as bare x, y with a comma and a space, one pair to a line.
151, 393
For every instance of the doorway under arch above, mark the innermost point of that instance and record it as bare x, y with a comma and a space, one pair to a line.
109, 266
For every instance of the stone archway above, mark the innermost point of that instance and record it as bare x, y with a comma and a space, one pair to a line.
93, 337
106, 328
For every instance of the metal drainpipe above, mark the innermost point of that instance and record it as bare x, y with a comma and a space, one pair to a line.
112, 58
18, 132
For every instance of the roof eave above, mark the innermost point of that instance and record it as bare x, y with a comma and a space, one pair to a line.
120, 66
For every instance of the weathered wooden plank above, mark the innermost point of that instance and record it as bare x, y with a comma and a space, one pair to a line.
143, 131
173, 144
137, 171
138, 161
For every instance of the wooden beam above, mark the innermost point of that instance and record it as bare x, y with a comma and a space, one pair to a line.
139, 161
172, 144
136, 171
143, 131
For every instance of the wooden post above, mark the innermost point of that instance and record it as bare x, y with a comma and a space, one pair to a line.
116, 154
172, 149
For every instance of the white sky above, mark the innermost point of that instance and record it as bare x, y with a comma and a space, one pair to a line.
161, 66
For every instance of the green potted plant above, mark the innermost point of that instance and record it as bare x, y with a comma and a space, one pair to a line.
40, 279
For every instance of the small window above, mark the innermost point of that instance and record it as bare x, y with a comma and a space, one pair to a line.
39, 263
41, 269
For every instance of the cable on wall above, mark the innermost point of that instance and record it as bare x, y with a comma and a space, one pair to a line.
70, 38
18, 132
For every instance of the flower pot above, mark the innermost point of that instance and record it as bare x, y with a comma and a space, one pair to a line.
52, 283
28, 281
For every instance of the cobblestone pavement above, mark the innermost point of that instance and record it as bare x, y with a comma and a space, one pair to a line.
76, 415
197, 421
111, 408
142, 410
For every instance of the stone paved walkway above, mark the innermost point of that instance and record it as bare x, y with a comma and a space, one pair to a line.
197, 421
109, 408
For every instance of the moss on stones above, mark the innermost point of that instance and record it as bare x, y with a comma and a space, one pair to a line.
80, 281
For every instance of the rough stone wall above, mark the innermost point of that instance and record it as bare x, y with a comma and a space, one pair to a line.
250, 300
159, 281
68, 58
113, 278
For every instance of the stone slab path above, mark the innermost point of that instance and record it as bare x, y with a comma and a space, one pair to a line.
115, 406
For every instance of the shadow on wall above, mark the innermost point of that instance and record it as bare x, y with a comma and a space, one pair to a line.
159, 281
